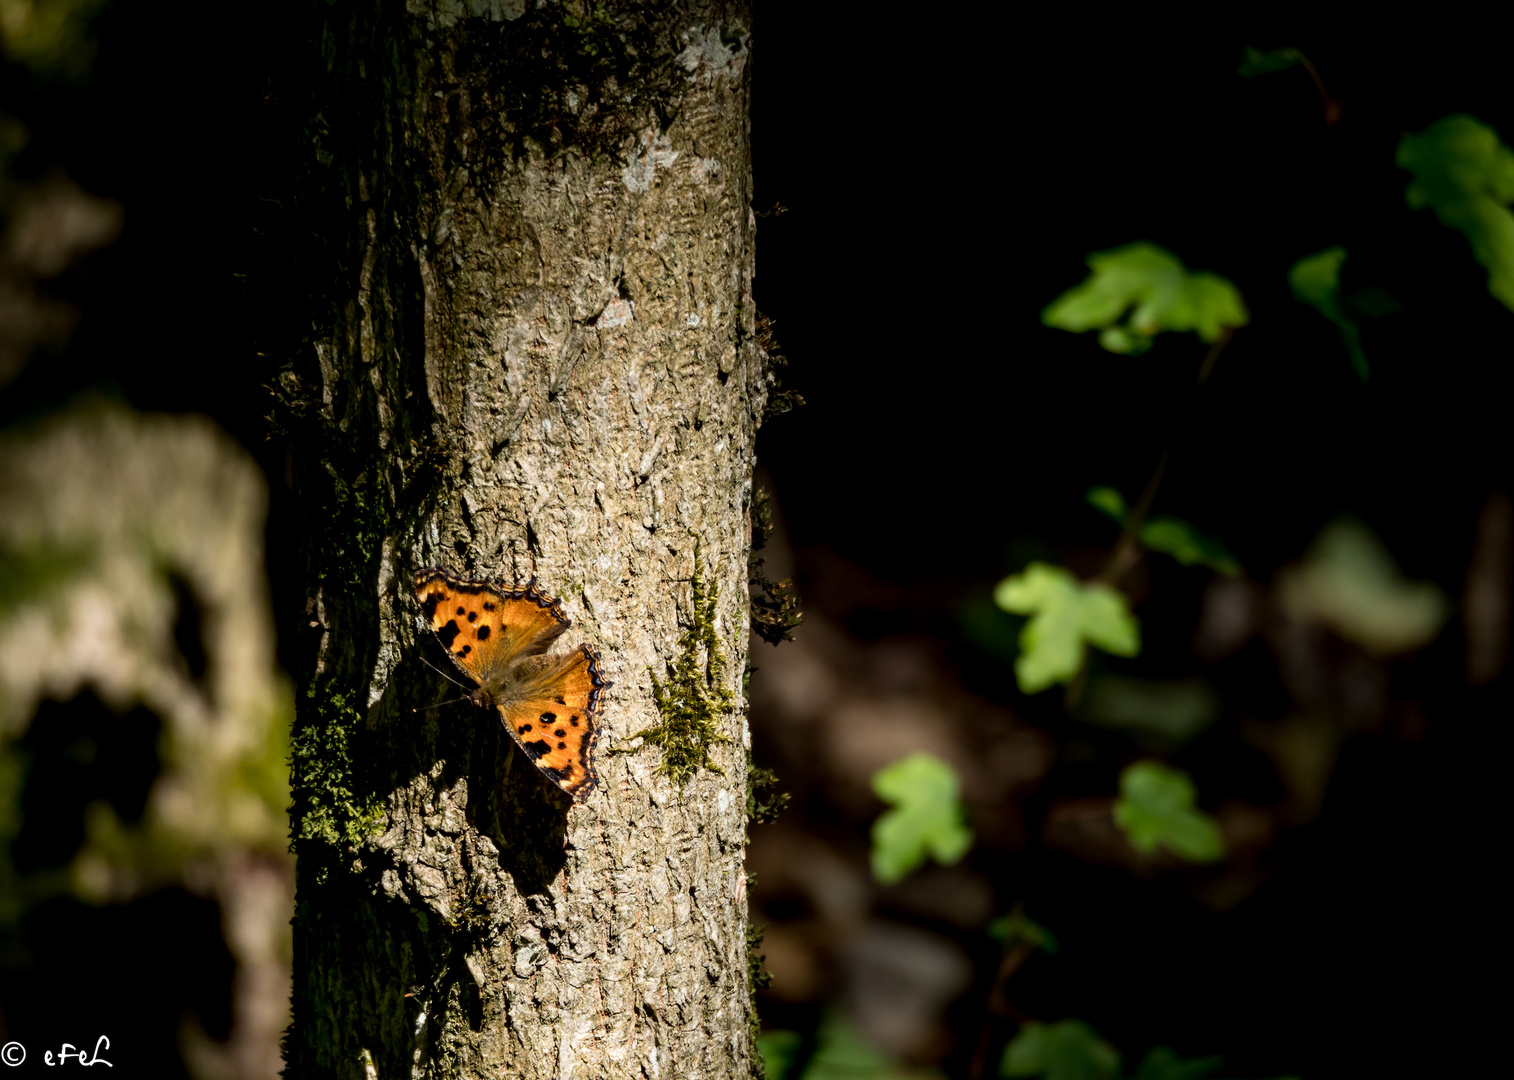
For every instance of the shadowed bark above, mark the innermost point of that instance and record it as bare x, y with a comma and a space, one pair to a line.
531, 355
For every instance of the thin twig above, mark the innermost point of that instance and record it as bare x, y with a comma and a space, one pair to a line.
1207, 367
1333, 106
1125, 550
998, 1004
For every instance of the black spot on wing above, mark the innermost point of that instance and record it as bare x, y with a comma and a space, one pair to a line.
461, 611
465, 650
537, 749
473, 616
548, 718
483, 632
448, 633
560, 733
428, 605
525, 728
488, 605
562, 746
573, 720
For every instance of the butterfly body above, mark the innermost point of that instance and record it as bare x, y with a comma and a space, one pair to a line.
499, 637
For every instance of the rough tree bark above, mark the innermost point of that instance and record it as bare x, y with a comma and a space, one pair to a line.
533, 355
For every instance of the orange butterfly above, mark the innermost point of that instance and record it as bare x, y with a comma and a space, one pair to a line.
497, 637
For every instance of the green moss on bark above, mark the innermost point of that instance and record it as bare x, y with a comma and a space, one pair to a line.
763, 802
775, 604
757, 979
695, 698
328, 807
331, 807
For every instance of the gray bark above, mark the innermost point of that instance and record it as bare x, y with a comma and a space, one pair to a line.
533, 355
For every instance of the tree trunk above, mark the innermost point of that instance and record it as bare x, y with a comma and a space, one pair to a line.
533, 356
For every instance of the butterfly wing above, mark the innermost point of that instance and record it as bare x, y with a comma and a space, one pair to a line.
484, 628
551, 707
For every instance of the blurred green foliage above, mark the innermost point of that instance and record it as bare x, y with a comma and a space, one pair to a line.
1466, 175
843, 1055
1316, 281
1066, 616
1014, 928
1072, 1050
1157, 807
1175, 537
1255, 62
839, 1054
1163, 1063
1168, 535
1349, 582
1159, 293
778, 1050
1066, 1050
1161, 713
926, 820
52, 37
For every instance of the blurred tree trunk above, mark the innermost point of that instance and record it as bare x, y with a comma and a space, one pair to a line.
532, 354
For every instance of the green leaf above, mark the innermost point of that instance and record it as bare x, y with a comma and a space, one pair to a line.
1123, 342
842, 1054
1466, 175
1108, 500
1164, 713
778, 1050
1168, 535
1255, 62
1156, 806
1010, 929
926, 819
1066, 616
1350, 583
1162, 292
1315, 280
1066, 1050
1175, 537
1164, 1064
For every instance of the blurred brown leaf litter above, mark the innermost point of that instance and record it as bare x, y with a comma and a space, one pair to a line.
832, 707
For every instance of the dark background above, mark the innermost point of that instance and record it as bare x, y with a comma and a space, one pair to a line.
945, 175
943, 186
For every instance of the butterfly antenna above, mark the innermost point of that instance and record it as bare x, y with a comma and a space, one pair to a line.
443, 674
438, 704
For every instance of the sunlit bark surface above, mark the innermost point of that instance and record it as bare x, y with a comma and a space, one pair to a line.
531, 356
